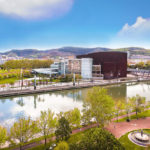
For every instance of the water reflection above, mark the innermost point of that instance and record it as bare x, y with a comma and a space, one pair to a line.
31, 105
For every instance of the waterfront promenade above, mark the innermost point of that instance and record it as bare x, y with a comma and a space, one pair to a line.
61, 86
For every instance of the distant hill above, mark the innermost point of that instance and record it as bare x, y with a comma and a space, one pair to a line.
68, 51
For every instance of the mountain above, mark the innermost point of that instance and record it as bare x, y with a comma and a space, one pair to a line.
68, 51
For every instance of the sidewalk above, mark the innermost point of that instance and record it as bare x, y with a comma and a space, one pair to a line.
121, 128
60, 87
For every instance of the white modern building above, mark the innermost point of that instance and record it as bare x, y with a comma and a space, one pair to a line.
86, 68
82, 66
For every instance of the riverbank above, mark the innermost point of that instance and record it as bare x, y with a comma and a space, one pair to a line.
66, 86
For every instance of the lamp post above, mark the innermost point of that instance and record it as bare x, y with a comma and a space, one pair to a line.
34, 82
118, 75
21, 75
74, 79
137, 69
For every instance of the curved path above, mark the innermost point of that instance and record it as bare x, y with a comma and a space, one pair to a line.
121, 128
117, 129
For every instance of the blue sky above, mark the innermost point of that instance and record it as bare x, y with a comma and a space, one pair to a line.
45, 24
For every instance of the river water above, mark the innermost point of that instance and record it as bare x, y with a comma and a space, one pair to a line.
12, 108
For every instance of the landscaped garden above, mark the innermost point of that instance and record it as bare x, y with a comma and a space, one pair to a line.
98, 106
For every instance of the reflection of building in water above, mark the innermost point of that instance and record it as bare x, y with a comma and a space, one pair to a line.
142, 89
118, 92
75, 94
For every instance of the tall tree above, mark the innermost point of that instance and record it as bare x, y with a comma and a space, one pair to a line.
47, 123
86, 114
63, 130
128, 108
101, 105
119, 106
23, 130
3, 135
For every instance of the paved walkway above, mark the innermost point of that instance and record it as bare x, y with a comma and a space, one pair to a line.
68, 86
121, 128
34, 144
117, 129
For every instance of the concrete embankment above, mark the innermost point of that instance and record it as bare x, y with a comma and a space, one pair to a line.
59, 88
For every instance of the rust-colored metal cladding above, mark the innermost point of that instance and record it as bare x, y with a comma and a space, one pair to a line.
113, 64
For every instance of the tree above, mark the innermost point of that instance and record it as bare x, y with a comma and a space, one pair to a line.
119, 105
3, 135
23, 130
27, 64
128, 108
137, 104
47, 123
63, 130
141, 65
97, 139
74, 117
62, 146
87, 115
101, 105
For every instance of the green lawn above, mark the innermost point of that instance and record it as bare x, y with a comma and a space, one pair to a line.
129, 145
7, 81
140, 115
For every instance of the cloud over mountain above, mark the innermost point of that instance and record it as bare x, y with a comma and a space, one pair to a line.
34, 9
139, 30
136, 34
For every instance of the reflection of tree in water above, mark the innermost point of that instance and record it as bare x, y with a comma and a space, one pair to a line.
20, 101
40, 98
148, 83
3, 100
35, 98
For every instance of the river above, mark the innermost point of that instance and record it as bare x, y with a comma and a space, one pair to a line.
12, 108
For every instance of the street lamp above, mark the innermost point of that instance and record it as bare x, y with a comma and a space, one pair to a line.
21, 75
137, 69
118, 75
74, 79
35, 82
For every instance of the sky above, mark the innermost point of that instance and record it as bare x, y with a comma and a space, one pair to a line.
46, 24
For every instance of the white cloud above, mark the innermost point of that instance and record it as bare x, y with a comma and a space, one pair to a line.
33, 9
137, 34
139, 30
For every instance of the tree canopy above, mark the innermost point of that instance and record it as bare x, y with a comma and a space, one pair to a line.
26, 64
62, 146
100, 104
47, 123
23, 130
97, 139
74, 117
63, 129
3, 135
